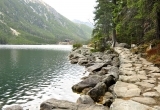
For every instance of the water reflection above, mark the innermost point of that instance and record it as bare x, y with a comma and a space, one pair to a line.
14, 57
30, 75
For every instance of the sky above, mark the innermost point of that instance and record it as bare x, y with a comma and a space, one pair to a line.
74, 9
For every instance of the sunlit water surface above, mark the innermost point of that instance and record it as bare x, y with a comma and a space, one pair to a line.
31, 74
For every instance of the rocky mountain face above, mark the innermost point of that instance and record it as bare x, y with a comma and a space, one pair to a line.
35, 22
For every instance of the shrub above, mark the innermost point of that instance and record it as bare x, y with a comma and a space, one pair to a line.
77, 45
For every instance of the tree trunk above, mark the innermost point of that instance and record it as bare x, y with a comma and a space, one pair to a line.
114, 37
158, 25
114, 30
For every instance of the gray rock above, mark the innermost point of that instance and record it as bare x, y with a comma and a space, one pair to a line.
53, 104
115, 62
85, 99
105, 69
14, 107
123, 89
109, 80
125, 45
96, 66
115, 72
82, 61
144, 100
74, 61
98, 91
120, 104
91, 81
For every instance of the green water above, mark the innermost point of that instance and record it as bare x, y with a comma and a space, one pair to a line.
32, 74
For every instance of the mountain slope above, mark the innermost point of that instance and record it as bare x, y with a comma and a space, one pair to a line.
35, 22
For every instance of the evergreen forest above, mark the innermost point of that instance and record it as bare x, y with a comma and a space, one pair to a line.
129, 21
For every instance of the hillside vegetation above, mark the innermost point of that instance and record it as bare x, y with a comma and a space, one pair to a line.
129, 21
35, 22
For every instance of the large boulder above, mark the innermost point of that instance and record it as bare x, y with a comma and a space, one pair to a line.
53, 104
91, 81
98, 91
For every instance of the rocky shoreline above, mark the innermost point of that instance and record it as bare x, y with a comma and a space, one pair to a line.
117, 80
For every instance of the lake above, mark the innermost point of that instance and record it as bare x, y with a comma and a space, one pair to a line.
31, 74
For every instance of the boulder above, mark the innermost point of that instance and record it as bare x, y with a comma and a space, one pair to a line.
96, 66
91, 81
54, 104
109, 80
85, 99
114, 71
82, 61
98, 91
14, 107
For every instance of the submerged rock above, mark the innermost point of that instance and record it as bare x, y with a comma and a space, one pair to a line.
14, 107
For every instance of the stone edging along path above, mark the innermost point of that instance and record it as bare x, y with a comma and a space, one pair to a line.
135, 85
138, 87
117, 81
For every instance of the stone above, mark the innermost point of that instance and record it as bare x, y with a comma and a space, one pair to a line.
109, 80
123, 89
74, 61
114, 71
108, 99
153, 69
95, 67
156, 74
157, 88
14, 107
115, 62
141, 72
142, 77
91, 81
82, 61
150, 81
151, 94
85, 99
127, 72
145, 84
144, 100
98, 91
54, 104
120, 104
105, 69
129, 65
129, 79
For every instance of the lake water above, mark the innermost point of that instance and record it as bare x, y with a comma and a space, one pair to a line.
30, 74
